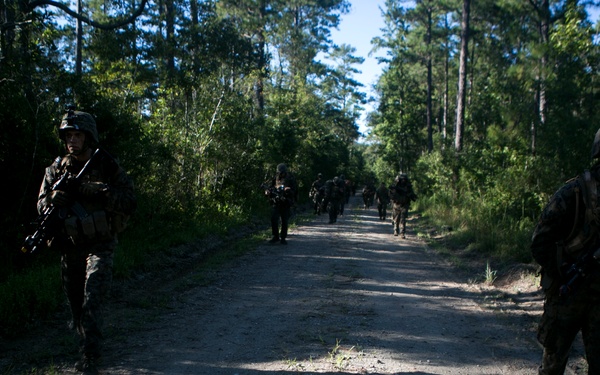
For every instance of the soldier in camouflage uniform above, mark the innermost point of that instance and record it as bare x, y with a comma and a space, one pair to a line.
334, 197
382, 195
94, 214
316, 193
285, 183
401, 194
568, 228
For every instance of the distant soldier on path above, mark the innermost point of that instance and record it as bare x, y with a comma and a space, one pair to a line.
368, 194
565, 243
282, 192
382, 195
334, 196
401, 194
316, 193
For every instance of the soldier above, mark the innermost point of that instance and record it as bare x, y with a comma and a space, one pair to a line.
282, 191
401, 194
334, 196
316, 193
368, 194
383, 198
94, 215
567, 233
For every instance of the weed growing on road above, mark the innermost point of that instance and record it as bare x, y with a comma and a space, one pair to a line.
490, 274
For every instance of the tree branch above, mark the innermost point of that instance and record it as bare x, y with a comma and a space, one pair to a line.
103, 26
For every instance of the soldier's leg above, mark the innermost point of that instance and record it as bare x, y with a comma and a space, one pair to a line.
591, 335
403, 216
396, 217
275, 223
97, 286
285, 215
558, 327
73, 265
335, 208
332, 211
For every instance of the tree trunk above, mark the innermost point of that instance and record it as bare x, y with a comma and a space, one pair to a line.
262, 59
79, 42
544, 14
429, 85
462, 76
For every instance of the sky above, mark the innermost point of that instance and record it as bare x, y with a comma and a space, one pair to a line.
357, 28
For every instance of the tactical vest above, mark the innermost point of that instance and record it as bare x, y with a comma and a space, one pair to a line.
86, 220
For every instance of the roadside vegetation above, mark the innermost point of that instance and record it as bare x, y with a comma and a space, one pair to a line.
199, 126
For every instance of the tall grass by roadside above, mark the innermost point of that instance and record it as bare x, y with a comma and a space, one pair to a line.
479, 227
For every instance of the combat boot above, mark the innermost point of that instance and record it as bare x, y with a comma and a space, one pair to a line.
88, 364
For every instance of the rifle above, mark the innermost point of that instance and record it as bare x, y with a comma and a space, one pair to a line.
583, 269
48, 220
276, 194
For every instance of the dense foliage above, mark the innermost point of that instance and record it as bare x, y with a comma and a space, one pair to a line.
201, 99
529, 119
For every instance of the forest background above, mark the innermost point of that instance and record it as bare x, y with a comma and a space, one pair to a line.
488, 106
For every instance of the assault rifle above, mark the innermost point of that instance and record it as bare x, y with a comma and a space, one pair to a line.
583, 269
48, 221
276, 194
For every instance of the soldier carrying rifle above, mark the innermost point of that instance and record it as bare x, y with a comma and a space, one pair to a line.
282, 192
565, 243
87, 215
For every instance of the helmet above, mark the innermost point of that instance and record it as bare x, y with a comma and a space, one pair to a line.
596, 146
77, 120
336, 179
401, 176
320, 175
281, 168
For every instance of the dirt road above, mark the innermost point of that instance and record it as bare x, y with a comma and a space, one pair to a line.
344, 298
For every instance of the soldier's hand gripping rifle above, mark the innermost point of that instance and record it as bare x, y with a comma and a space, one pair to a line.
276, 194
49, 220
583, 269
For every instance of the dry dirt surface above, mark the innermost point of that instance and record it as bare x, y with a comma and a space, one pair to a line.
342, 298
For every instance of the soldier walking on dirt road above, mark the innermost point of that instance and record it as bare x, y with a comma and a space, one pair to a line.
565, 243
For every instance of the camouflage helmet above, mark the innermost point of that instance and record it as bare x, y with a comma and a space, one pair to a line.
401, 176
596, 146
77, 120
281, 168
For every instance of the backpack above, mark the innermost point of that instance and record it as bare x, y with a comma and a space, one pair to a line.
579, 238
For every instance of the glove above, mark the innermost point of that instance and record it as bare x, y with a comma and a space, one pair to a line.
90, 189
59, 198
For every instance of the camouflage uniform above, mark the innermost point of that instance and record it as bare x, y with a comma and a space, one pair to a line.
282, 209
368, 194
334, 197
383, 198
401, 194
88, 238
316, 193
562, 234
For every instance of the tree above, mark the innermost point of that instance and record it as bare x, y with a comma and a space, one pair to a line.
462, 76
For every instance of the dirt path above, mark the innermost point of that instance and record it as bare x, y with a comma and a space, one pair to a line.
345, 298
